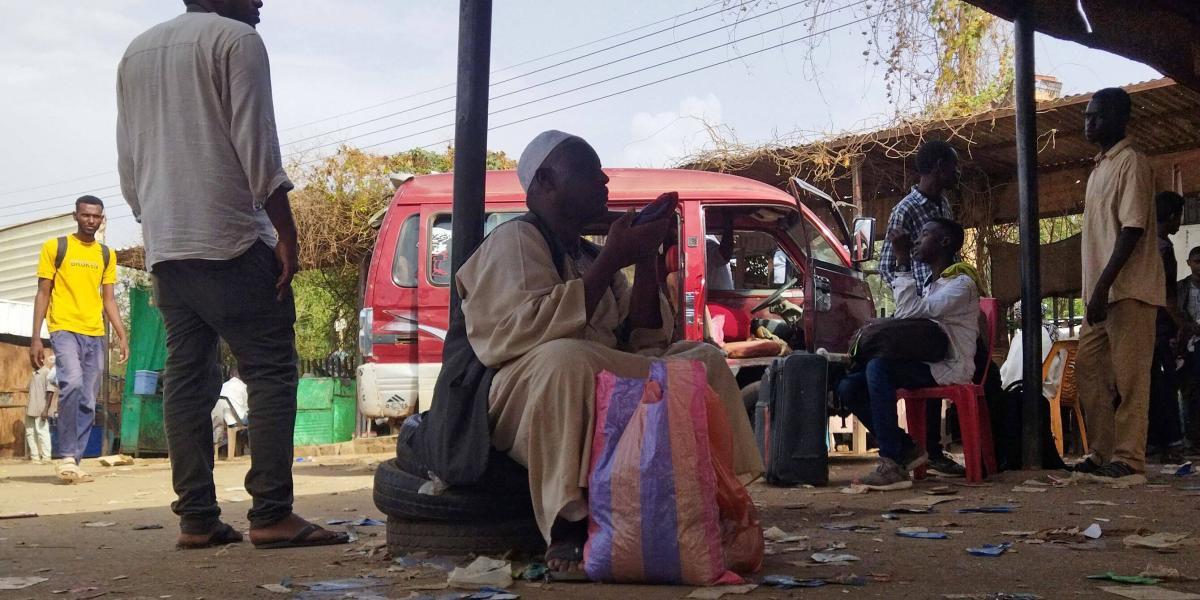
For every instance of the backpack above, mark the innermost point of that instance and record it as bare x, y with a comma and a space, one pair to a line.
453, 439
60, 254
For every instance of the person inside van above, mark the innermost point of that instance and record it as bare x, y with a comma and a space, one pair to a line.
550, 310
952, 299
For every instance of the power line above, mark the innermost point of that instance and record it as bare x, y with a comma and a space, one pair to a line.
533, 60
569, 75
525, 62
641, 86
578, 88
46, 185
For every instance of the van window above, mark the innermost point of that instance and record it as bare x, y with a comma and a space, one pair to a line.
404, 265
439, 243
758, 263
808, 236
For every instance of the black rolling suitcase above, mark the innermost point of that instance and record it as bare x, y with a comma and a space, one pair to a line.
791, 418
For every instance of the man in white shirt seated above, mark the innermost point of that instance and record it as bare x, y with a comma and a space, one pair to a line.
232, 412
952, 300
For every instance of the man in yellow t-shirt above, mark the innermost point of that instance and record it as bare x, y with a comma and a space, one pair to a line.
75, 293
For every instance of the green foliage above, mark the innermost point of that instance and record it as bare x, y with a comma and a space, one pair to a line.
334, 207
974, 60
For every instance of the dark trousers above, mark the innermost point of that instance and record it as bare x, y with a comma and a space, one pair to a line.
1191, 396
202, 300
871, 395
1165, 428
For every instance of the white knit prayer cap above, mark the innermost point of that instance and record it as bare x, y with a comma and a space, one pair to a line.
536, 152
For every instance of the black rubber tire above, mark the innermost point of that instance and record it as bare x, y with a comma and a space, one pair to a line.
397, 495
503, 474
406, 536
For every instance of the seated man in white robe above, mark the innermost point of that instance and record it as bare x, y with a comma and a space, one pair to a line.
550, 328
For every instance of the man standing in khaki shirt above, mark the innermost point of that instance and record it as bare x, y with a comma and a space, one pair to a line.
1123, 287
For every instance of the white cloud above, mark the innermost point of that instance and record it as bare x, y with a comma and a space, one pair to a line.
661, 139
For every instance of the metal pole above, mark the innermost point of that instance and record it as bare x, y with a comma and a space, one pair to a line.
470, 135
1031, 285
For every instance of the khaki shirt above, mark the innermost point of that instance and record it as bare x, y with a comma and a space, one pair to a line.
1120, 193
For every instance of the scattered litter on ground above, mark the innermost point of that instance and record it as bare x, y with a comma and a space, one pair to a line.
492, 593
1149, 593
993, 596
420, 560
788, 582
1129, 579
842, 515
1165, 573
19, 583
534, 572
1093, 532
345, 585
851, 580
922, 501
18, 515
483, 572
775, 534
890, 516
277, 588
1181, 470
1144, 538
831, 558
855, 488
1018, 533
990, 549
116, 460
713, 593
1003, 508
969, 484
1029, 489
98, 523
921, 535
941, 490
363, 522
852, 527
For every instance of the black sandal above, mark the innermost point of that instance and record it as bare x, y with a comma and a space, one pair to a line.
221, 535
303, 539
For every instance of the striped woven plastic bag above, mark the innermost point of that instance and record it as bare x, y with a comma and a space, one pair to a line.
658, 489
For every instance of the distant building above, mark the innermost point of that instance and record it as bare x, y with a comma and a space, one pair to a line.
19, 249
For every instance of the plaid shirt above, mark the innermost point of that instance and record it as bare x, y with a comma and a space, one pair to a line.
910, 215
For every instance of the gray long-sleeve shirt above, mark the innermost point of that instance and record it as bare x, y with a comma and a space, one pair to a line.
197, 146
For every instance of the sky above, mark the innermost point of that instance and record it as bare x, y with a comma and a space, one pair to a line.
338, 64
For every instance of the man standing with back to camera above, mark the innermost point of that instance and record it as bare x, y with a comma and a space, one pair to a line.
200, 167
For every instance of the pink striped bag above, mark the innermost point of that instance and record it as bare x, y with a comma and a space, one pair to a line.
655, 487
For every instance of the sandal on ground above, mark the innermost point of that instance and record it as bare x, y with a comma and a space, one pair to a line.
304, 539
221, 535
69, 472
569, 550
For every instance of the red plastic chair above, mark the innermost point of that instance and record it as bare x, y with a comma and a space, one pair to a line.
973, 419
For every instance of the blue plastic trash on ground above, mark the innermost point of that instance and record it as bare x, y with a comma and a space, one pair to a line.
990, 550
1003, 508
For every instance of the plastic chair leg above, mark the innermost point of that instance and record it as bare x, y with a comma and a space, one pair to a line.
987, 444
1056, 425
914, 414
968, 424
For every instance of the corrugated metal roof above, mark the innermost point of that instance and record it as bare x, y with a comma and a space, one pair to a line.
20, 246
16, 318
1166, 118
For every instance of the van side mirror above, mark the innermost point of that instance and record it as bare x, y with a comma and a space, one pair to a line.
862, 243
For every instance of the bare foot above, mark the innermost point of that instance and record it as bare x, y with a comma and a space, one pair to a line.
294, 532
220, 535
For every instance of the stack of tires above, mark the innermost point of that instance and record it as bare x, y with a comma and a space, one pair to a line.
493, 516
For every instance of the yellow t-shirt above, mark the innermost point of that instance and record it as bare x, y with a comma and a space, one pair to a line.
75, 303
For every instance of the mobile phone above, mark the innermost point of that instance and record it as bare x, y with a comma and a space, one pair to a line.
655, 210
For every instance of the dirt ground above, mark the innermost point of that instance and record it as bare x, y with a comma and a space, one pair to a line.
117, 561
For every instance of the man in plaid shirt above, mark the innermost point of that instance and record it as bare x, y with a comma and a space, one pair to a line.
937, 166
937, 169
